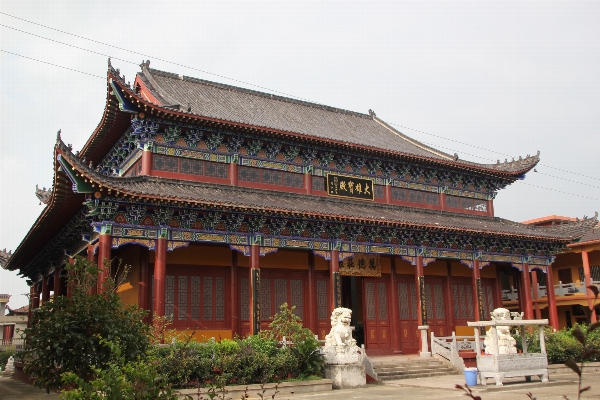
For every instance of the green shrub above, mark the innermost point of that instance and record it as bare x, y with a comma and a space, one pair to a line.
66, 333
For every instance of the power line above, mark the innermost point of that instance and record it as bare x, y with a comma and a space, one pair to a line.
70, 45
54, 65
568, 180
541, 187
155, 58
257, 86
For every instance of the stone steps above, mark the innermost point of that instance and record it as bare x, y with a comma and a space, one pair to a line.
387, 371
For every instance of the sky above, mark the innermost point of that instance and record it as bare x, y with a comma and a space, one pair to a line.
485, 80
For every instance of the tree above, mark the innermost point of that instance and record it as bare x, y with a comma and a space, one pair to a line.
67, 334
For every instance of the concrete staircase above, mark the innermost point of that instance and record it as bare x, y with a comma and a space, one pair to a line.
415, 368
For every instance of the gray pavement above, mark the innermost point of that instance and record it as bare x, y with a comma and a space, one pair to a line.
422, 388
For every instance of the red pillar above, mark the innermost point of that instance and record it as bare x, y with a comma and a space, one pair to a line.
233, 174
420, 286
45, 290
449, 308
254, 289
56, 287
477, 297
552, 312
536, 296
334, 277
588, 282
388, 193
146, 162
395, 315
518, 279
160, 272
491, 208
144, 281
104, 244
308, 182
33, 303
234, 321
526, 283
443, 201
498, 289
312, 304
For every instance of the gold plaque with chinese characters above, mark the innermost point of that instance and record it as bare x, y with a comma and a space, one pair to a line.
350, 187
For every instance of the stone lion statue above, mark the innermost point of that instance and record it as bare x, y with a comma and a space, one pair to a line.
340, 334
506, 343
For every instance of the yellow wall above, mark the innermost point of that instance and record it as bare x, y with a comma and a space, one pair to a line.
386, 265
459, 269
404, 267
436, 268
198, 255
285, 259
321, 264
129, 256
489, 271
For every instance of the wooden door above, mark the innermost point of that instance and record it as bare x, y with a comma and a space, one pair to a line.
565, 275
462, 300
377, 320
435, 301
407, 314
487, 292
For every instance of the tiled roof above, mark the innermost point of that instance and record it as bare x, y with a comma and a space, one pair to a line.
239, 105
592, 235
320, 206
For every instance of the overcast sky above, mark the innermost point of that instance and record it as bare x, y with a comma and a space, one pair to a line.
487, 80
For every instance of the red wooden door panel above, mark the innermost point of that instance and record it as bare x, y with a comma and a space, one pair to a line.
377, 319
435, 301
407, 314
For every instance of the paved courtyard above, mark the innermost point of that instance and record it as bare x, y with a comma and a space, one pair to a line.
423, 388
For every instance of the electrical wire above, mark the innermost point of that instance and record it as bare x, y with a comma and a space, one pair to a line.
55, 65
261, 87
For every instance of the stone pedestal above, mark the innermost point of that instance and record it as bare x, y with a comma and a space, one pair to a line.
346, 376
424, 343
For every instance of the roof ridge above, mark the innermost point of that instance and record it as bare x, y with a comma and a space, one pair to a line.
254, 92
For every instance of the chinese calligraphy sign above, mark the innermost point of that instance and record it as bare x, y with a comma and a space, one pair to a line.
361, 265
350, 187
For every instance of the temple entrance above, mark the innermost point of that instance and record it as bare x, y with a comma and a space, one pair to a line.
436, 305
352, 298
377, 318
407, 308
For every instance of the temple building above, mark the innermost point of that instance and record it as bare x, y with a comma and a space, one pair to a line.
228, 202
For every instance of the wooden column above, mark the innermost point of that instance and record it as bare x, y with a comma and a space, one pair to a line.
45, 289
518, 279
56, 288
34, 302
588, 282
233, 299
491, 208
254, 289
233, 173
144, 281
395, 315
477, 295
308, 183
536, 295
312, 303
104, 244
160, 272
146, 161
334, 278
443, 201
420, 286
552, 312
91, 257
388, 193
498, 291
526, 283
449, 307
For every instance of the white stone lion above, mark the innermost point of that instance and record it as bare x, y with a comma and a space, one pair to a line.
340, 334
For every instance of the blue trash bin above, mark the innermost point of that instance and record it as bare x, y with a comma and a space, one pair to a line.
471, 376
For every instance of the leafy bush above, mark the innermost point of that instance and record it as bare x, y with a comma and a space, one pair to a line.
66, 333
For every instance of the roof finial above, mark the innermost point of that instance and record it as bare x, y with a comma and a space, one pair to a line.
58, 138
372, 113
145, 63
109, 64
455, 157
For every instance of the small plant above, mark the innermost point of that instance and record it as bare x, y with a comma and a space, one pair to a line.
589, 352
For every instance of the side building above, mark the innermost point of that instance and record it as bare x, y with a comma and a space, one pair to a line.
228, 202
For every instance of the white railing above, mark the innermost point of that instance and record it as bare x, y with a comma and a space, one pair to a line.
448, 347
14, 343
560, 289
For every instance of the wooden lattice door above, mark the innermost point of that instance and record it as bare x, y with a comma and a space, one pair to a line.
435, 301
407, 313
377, 319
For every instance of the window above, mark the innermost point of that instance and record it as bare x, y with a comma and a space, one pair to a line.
466, 203
276, 288
379, 191
195, 298
318, 183
415, 196
189, 166
270, 177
